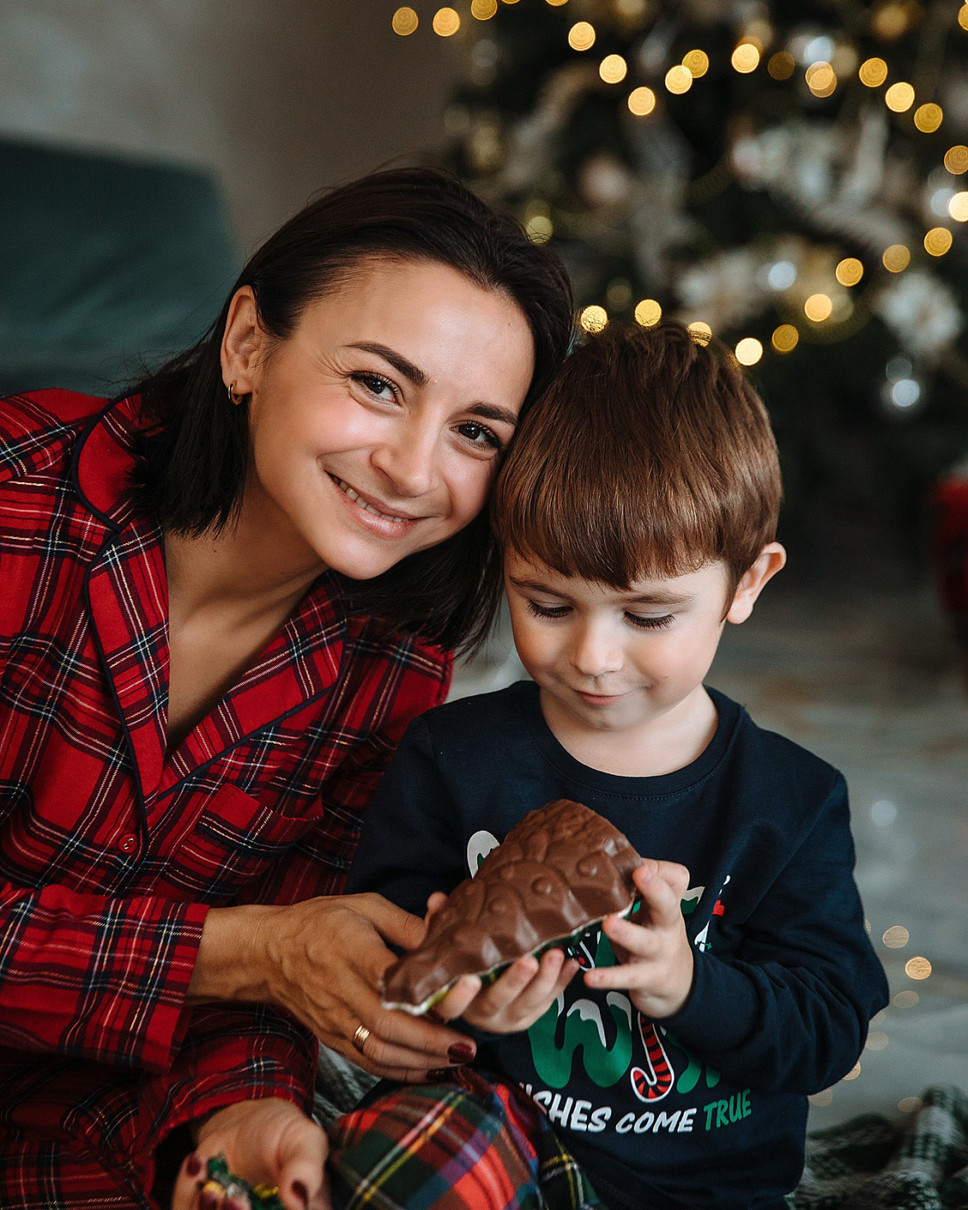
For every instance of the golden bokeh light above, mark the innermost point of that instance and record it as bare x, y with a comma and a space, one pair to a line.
927, 118
853, 1073
749, 351
648, 313
906, 999
821, 1098
556, 3
821, 79
849, 271
896, 258
958, 207
896, 937
539, 228
696, 62
641, 101
782, 65
877, 1039
405, 21
818, 307
910, 1104
963, 16
613, 69
483, 10
746, 58
702, 333
581, 36
917, 968
619, 294
899, 97
785, 339
956, 159
594, 319
678, 79
937, 241
446, 22
872, 72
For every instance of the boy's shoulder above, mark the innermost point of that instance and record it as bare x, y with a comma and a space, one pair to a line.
773, 760
500, 706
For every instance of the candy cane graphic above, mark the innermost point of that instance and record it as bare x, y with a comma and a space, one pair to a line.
655, 1082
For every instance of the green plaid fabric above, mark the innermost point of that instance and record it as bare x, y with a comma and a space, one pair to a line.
920, 1163
449, 1146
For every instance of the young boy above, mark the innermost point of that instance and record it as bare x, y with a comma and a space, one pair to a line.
637, 513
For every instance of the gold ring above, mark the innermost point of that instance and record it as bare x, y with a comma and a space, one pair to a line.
360, 1037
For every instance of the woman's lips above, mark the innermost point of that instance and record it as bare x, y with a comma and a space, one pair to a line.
369, 505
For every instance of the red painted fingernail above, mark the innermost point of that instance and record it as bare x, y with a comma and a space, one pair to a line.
207, 1201
193, 1165
301, 1192
461, 1052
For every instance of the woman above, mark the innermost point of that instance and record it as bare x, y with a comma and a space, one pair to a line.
223, 598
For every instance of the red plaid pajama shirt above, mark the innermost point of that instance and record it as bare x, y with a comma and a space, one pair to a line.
111, 854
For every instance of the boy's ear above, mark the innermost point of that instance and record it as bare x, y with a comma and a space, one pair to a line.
769, 561
243, 342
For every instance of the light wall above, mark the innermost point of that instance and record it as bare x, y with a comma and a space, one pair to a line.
278, 97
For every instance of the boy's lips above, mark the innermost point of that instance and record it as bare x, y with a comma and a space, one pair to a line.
599, 699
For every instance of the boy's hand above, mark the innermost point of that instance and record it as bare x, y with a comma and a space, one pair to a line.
516, 999
655, 957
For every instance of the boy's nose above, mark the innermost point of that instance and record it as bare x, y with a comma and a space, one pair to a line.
595, 651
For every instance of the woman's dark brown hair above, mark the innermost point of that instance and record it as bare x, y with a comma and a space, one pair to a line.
649, 454
195, 445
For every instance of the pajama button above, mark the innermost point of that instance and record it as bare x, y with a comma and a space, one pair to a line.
129, 844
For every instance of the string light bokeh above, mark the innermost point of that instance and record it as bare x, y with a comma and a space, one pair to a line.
773, 174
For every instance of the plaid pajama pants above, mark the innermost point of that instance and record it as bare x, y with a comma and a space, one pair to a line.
473, 1143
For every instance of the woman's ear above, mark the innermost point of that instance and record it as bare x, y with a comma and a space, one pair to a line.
243, 342
768, 562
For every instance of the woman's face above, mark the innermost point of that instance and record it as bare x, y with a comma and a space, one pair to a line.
376, 426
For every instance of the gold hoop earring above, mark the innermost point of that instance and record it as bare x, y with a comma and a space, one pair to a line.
233, 397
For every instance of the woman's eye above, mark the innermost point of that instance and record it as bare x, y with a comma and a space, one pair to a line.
375, 385
547, 611
480, 434
649, 621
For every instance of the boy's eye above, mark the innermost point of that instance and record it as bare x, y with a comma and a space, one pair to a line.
649, 621
547, 611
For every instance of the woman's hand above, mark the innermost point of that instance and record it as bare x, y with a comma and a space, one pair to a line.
266, 1141
322, 961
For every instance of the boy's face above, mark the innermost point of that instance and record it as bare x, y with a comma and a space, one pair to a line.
612, 661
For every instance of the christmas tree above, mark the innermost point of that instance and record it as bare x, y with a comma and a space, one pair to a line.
789, 176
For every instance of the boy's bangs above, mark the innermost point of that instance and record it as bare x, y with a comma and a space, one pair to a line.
585, 529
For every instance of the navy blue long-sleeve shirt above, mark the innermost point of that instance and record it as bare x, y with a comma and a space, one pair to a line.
708, 1107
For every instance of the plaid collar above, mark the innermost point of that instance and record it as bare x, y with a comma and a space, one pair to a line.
127, 593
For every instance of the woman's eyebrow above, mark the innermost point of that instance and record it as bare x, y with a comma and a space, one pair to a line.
395, 359
487, 411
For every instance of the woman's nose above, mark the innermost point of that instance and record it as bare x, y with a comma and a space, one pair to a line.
409, 461
595, 649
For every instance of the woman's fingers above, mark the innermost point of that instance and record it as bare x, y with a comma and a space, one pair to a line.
266, 1141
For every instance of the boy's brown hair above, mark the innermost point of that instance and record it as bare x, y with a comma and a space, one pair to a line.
649, 454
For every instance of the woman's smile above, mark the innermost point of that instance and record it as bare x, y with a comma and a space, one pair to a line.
372, 506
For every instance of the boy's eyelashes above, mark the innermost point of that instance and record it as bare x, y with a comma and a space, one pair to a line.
639, 620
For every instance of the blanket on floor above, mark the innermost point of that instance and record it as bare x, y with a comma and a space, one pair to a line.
870, 1162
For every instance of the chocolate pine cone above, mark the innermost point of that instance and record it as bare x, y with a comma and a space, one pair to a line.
562, 870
